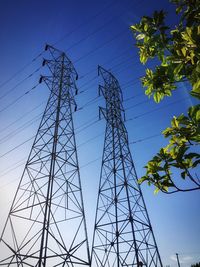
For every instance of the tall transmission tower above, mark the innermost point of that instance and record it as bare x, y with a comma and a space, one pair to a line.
46, 224
123, 233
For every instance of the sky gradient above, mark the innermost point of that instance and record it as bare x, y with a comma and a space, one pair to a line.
91, 33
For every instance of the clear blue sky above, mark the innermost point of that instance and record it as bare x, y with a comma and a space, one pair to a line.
91, 33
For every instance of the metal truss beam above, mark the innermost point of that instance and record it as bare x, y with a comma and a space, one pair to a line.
123, 234
46, 224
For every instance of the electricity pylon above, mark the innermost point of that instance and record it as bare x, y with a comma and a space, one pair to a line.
46, 224
123, 233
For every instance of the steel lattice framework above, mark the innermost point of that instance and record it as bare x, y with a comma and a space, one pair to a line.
123, 233
46, 223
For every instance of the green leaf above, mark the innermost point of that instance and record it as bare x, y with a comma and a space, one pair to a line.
168, 92
146, 26
192, 112
135, 27
196, 163
178, 69
149, 73
142, 179
181, 152
196, 86
183, 175
198, 116
184, 51
178, 60
195, 94
175, 122
196, 90
192, 155
179, 9
157, 97
140, 36
167, 132
143, 56
156, 191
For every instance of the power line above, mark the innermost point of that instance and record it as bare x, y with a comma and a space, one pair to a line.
131, 82
157, 109
90, 162
95, 69
86, 83
107, 61
138, 104
81, 167
127, 67
24, 142
35, 119
41, 53
95, 31
14, 148
89, 20
89, 35
21, 117
144, 139
18, 98
94, 122
8, 170
66, 35
85, 23
99, 47
28, 123
91, 139
22, 69
132, 97
9, 183
20, 129
76, 61
95, 99
84, 128
90, 102
88, 121
13, 88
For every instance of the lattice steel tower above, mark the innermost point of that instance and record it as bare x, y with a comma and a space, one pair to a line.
46, 223
123, 233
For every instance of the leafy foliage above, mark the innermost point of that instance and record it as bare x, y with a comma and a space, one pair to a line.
184, 133
178, 51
